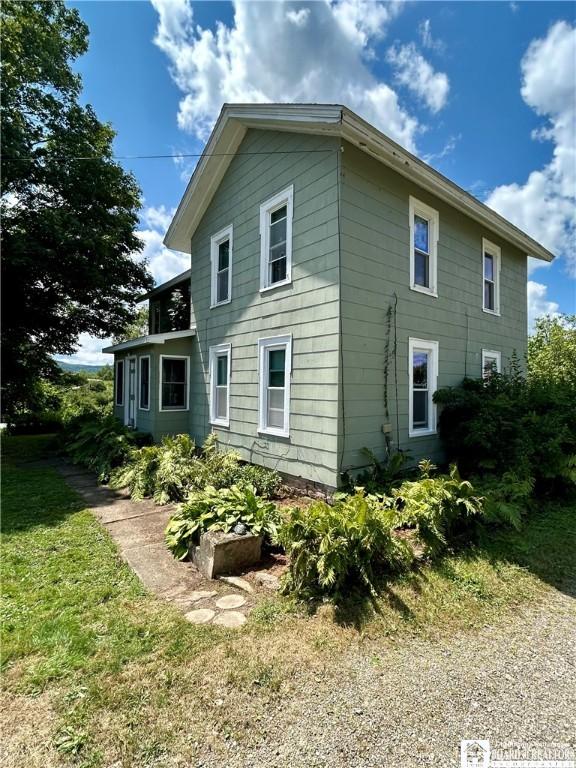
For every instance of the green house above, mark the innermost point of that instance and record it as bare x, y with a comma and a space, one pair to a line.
335, 282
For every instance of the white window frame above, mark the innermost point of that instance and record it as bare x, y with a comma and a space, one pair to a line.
140, 359
215, 241
221, 350
264, 346
417, 208
116, 366
491, 354
496, 252
432, 348
186, 388
286, 197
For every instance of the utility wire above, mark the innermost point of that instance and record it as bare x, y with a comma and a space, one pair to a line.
163, 157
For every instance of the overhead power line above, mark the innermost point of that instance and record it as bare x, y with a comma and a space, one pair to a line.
173, 156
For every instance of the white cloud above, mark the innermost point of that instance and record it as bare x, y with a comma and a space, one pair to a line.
538, 304
545, 205
427, 39
414, 72
163, 264
281, 52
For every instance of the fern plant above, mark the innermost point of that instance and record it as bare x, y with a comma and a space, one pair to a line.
331, 546
436, 506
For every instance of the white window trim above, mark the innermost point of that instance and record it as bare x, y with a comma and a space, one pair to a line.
433, 348
215, 352
144, 357
263, 346
491, 354
416, 208
187, 383
496, 252
225, 234
286, 197
117, 364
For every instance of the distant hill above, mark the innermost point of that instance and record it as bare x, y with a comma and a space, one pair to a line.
79, 367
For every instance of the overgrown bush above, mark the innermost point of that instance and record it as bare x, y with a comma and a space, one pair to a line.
213, 509
437, 508
331, 546
381, 474
170, 470
103, 444
506, 498
511, 424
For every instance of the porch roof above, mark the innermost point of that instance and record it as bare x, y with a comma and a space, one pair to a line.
154, 338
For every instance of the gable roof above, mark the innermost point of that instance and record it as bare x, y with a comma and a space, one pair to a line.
331, 120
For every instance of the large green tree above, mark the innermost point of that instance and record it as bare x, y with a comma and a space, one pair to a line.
69, 211
552, 351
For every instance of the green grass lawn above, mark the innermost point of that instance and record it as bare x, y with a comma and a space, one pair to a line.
97, 672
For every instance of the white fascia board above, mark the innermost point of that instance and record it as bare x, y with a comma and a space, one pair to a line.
142, 341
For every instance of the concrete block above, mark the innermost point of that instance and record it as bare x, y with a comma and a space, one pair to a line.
226, 553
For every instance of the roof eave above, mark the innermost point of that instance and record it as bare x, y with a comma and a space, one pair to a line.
145, 341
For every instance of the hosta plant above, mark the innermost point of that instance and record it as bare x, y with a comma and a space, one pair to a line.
213, 509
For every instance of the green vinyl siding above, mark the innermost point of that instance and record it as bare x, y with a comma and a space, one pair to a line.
375, 264
307, 309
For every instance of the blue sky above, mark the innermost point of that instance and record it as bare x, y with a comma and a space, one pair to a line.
485, 91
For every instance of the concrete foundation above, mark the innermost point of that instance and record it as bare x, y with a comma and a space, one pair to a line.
226, 553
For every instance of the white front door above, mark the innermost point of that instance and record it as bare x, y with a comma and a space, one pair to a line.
130, 407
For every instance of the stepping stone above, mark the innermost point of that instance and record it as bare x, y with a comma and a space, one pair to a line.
230, 601
230, 619
194, 596
200, 615
236, 581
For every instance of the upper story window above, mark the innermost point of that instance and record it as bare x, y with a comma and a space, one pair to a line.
220, 357
221, 261
491, 257
276, 240
491, 363
423, 378
119, 383
275, 366
424, 229
144, 379
173, 383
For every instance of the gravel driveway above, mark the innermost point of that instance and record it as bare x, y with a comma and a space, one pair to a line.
410, 706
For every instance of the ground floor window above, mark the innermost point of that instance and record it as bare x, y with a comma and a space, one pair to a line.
119, 383
173, 383
144, 378
423, 375
220, 358
275, 365
491, 363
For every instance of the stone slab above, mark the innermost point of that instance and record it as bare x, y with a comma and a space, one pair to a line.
238, 582
230, 619
226, 553
144, 529
227, 602
200, 615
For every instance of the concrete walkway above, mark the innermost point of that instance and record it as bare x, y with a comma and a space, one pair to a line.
138, 529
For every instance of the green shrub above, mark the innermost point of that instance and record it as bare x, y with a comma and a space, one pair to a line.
102, 445
381, 475
332, 546
213, 509
438, 508
169, 471
506, 498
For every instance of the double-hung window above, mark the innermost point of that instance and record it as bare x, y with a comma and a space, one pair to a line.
144, 380
221, 260
220, 359
275, 365
491, 363
173, 383
119, 383
423, 377
491, 256
424, 229
276, 240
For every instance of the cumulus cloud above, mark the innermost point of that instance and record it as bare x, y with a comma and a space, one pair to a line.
282, 52
545, 204
538, 304
163, 264
415, 73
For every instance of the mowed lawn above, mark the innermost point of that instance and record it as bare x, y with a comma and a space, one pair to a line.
96, 672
